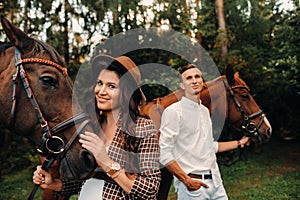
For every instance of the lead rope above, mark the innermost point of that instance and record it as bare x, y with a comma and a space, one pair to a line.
46, 165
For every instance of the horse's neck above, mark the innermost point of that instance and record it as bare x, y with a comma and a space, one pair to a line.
6, 72
162, 102
212, 96
171, 98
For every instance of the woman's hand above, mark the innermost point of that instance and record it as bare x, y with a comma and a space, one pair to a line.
45, 180
96, 146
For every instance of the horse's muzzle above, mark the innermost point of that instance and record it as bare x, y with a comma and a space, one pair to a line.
89, 162
78, 166
267, 130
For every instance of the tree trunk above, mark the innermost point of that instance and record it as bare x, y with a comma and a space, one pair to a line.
222, 27
65, 33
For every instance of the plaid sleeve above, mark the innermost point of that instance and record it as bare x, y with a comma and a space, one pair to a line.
147, 181
70, 187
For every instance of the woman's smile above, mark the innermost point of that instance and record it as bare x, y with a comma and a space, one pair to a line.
102, 99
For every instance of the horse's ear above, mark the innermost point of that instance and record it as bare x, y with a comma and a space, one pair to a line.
229, 73
17, 36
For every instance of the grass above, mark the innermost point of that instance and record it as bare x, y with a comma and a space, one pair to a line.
273, 173
18, 186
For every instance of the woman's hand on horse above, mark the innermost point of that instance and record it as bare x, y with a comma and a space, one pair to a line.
96, 146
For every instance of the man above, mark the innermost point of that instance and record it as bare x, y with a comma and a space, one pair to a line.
188, 149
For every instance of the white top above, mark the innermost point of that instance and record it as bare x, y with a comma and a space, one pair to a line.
92, 189
187, 137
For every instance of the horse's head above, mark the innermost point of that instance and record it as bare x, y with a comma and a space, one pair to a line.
36, 101
243, 110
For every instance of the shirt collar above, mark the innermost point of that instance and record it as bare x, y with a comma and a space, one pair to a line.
190, 102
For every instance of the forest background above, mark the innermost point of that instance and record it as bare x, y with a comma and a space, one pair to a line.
260, 39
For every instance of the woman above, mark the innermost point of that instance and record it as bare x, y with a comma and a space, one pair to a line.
126, 148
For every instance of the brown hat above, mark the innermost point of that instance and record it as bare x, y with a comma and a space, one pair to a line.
103, 61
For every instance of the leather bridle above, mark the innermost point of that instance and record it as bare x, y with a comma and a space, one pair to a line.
248, 126
50, 142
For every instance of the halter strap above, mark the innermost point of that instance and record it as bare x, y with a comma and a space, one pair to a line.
73, 138
14, 97
240, 86
31, 97
69, 122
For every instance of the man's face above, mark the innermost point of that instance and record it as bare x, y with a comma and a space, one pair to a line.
192, 81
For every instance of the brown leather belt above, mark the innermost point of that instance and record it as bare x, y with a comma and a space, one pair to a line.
200, 176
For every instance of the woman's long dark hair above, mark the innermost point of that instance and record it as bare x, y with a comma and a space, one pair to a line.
130, 98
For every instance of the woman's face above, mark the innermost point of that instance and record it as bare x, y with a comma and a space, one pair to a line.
107, 91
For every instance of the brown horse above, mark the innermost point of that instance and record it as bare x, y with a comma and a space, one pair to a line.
227, 97
37, 102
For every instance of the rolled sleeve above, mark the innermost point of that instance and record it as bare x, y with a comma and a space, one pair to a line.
146, 185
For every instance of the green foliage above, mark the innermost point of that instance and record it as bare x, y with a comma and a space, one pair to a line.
265, 49
18, 154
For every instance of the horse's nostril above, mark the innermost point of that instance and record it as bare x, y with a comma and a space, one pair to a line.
88, 159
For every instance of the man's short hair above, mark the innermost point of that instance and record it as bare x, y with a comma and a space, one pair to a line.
186, 67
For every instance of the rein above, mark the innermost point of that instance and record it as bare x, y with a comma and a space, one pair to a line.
247, 125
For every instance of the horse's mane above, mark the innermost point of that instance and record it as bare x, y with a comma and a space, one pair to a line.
237, 78
210, 82
5, 45
46, 48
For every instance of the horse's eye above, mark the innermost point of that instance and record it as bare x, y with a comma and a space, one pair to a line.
245, 96
48, 82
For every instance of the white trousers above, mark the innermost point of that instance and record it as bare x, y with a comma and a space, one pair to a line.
92, 189
211, 193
